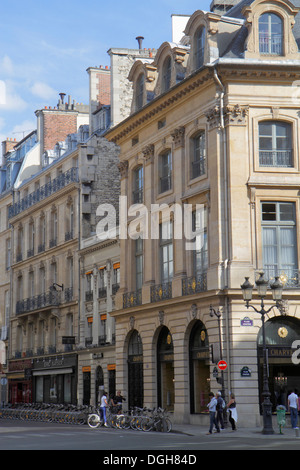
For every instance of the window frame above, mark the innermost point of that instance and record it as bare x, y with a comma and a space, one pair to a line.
274, 136
269, 37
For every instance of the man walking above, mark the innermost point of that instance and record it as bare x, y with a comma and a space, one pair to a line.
293, 407
220, 409
212, 406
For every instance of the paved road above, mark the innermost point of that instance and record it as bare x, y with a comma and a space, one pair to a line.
190, 441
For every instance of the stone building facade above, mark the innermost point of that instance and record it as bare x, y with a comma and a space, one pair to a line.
222, 141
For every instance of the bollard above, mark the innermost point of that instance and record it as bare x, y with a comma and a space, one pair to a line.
297, 432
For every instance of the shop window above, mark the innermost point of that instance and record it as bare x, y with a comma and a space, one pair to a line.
165, 370
199, 368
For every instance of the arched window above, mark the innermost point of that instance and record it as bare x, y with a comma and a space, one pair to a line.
135, 371
165, 370
270, 34
199, 44
166, 72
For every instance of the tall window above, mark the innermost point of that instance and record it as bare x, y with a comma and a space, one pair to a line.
275, 144
279, 239
166, 171
200, 229
198, 150
166, 251
270, 34
138, 185
139, 263
166, 78
199, 44
140, 91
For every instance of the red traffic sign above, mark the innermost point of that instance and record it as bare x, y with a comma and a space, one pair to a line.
222, 365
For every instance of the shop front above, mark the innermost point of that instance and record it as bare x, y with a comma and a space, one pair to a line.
20, 381
283, 373
55, 379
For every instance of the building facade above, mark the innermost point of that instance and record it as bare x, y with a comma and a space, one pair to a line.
218, 142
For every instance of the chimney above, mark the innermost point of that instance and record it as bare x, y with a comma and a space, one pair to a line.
140, 41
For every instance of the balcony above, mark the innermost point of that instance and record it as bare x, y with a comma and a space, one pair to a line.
48, 299
194, 284
132, 299
161, 292
70, 176
289, 277
276, 158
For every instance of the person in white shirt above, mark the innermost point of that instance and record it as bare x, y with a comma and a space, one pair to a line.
293, 407
212, 406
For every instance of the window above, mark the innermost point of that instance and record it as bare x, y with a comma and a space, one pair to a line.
270, 34
166, 251
138, 183
140, 92
198, 155
200, 229
199, 44
139, 263
166, 171
279, 239
275, 144
166, 74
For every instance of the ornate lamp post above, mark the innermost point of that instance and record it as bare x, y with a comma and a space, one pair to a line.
262, 287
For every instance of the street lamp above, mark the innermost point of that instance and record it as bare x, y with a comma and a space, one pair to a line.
262, 287
217, 313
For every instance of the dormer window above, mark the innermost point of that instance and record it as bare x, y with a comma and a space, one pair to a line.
199, 45
270, 34
166, 78
140, 91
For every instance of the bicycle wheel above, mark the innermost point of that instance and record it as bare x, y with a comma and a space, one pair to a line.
168, 425
147, 424
94, 421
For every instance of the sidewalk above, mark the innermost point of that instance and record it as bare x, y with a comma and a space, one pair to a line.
195, 430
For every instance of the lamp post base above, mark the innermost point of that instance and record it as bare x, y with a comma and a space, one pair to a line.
267, 417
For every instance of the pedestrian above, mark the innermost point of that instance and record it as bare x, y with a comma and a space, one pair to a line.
103, 406
220, 409
231, 408
119, 401
293, 407
212, 405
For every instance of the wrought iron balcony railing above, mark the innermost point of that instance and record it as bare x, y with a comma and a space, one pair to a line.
70, 176
132, 299
48, 299
194, 284
161, 292
289, 277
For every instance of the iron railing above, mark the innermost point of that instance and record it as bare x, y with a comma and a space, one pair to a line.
70, 176
194, 284
131, 299
47, 299
161, 291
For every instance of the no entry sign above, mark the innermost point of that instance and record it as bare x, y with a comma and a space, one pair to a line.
222, 365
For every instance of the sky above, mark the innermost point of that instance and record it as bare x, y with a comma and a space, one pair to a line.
47, 46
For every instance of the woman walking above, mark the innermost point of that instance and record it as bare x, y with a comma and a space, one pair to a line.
103, 406
232, 411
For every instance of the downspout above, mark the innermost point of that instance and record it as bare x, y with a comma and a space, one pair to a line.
227, 247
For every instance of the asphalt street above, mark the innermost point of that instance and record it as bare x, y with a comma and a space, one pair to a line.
188, 440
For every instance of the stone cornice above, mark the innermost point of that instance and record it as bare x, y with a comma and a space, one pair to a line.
162, 103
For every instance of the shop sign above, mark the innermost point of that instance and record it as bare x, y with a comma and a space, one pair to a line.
245, 372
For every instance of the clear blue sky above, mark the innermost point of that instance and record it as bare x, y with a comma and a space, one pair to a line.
46, 47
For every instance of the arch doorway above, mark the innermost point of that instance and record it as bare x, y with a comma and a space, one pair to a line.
199, 368
284, 376
135, 371
165, 370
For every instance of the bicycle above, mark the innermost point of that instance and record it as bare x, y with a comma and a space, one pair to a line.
157, 421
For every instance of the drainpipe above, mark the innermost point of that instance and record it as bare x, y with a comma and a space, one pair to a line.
227, 247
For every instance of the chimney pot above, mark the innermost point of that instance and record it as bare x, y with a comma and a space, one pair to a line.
140, 41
